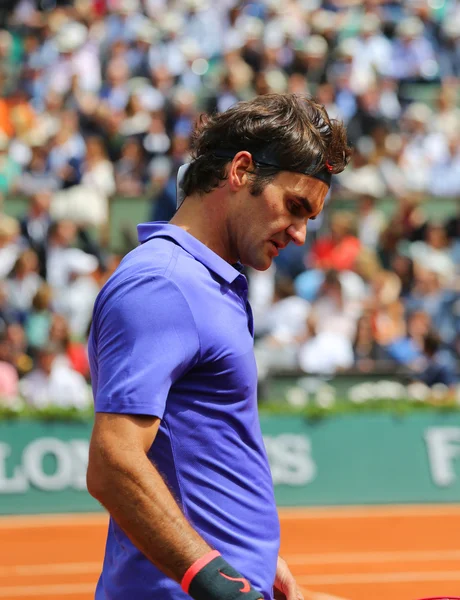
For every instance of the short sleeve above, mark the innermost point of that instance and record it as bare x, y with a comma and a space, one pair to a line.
144, 338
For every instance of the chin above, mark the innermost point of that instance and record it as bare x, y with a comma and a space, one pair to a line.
259, 265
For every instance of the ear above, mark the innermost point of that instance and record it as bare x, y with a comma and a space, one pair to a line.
241, 164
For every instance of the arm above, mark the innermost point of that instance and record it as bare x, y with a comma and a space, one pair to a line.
123, 479
129, 383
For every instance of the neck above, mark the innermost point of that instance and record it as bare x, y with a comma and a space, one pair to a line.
205, 217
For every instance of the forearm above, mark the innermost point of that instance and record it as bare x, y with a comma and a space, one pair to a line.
141, 504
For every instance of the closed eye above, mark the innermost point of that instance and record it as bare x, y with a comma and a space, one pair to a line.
301, 207
296, 209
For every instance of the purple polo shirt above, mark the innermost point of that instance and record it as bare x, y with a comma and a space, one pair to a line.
172, 337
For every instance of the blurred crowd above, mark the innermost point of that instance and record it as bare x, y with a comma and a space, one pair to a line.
99, 97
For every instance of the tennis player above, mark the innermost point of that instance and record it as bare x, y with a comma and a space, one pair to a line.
176, 454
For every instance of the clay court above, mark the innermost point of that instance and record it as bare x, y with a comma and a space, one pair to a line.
355, 553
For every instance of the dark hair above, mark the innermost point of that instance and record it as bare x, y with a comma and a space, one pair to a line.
431, 343
297, 130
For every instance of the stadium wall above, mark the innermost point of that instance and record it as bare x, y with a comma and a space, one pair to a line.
345, 459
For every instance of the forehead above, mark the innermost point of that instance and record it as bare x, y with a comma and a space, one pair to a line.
303, 186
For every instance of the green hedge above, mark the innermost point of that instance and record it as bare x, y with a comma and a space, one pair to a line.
314, 410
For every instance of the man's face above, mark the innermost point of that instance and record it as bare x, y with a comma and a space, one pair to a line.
262, 225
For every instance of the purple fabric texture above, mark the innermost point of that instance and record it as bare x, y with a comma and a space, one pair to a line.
172, 336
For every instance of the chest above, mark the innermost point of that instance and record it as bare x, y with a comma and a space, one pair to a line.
227, 365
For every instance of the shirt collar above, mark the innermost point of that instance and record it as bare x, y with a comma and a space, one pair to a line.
203, 254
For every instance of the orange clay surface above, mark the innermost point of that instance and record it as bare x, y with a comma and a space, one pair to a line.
352, 553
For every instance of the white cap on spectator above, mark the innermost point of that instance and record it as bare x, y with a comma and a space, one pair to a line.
324, 20
451, 27
9, 226
275, 6
135, 84
128, 7
347, 48
252, 28
151, 99
274, 36
370, 23
410, 27
71, 36
316, 45
418, 111
20, 151
363, 182
190, 48
147, 31
37, 137
197, 4
183, 96
172, 22
277, 81
309, 6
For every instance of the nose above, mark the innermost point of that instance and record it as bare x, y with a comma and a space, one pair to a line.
298, 233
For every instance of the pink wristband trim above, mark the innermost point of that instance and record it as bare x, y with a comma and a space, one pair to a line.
196, 567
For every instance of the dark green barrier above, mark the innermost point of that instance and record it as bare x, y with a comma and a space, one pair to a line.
360, 459
349, 459
43, 467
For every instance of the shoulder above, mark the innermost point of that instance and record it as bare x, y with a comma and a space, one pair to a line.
157, 261
145, 284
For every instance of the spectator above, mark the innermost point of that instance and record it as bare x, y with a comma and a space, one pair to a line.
163, 185
63, 260
129, 169
434, 252
429, 295
17, 341
371, 221
68, 151
101, 97
74, 351
412, 57
332, 329
10, 244
52, 382
7, 314
9, 168
77, 57
366, 350
403, 267
434, 370
338, 250
9, 380
88, 203
35, 225
38, 321
284, 324
23, 283
37, 176
372, 49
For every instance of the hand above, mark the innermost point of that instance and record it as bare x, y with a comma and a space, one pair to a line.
285, 585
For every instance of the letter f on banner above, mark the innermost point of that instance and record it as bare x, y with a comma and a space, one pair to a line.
443, 446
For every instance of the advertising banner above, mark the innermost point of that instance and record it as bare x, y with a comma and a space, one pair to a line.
349, 459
